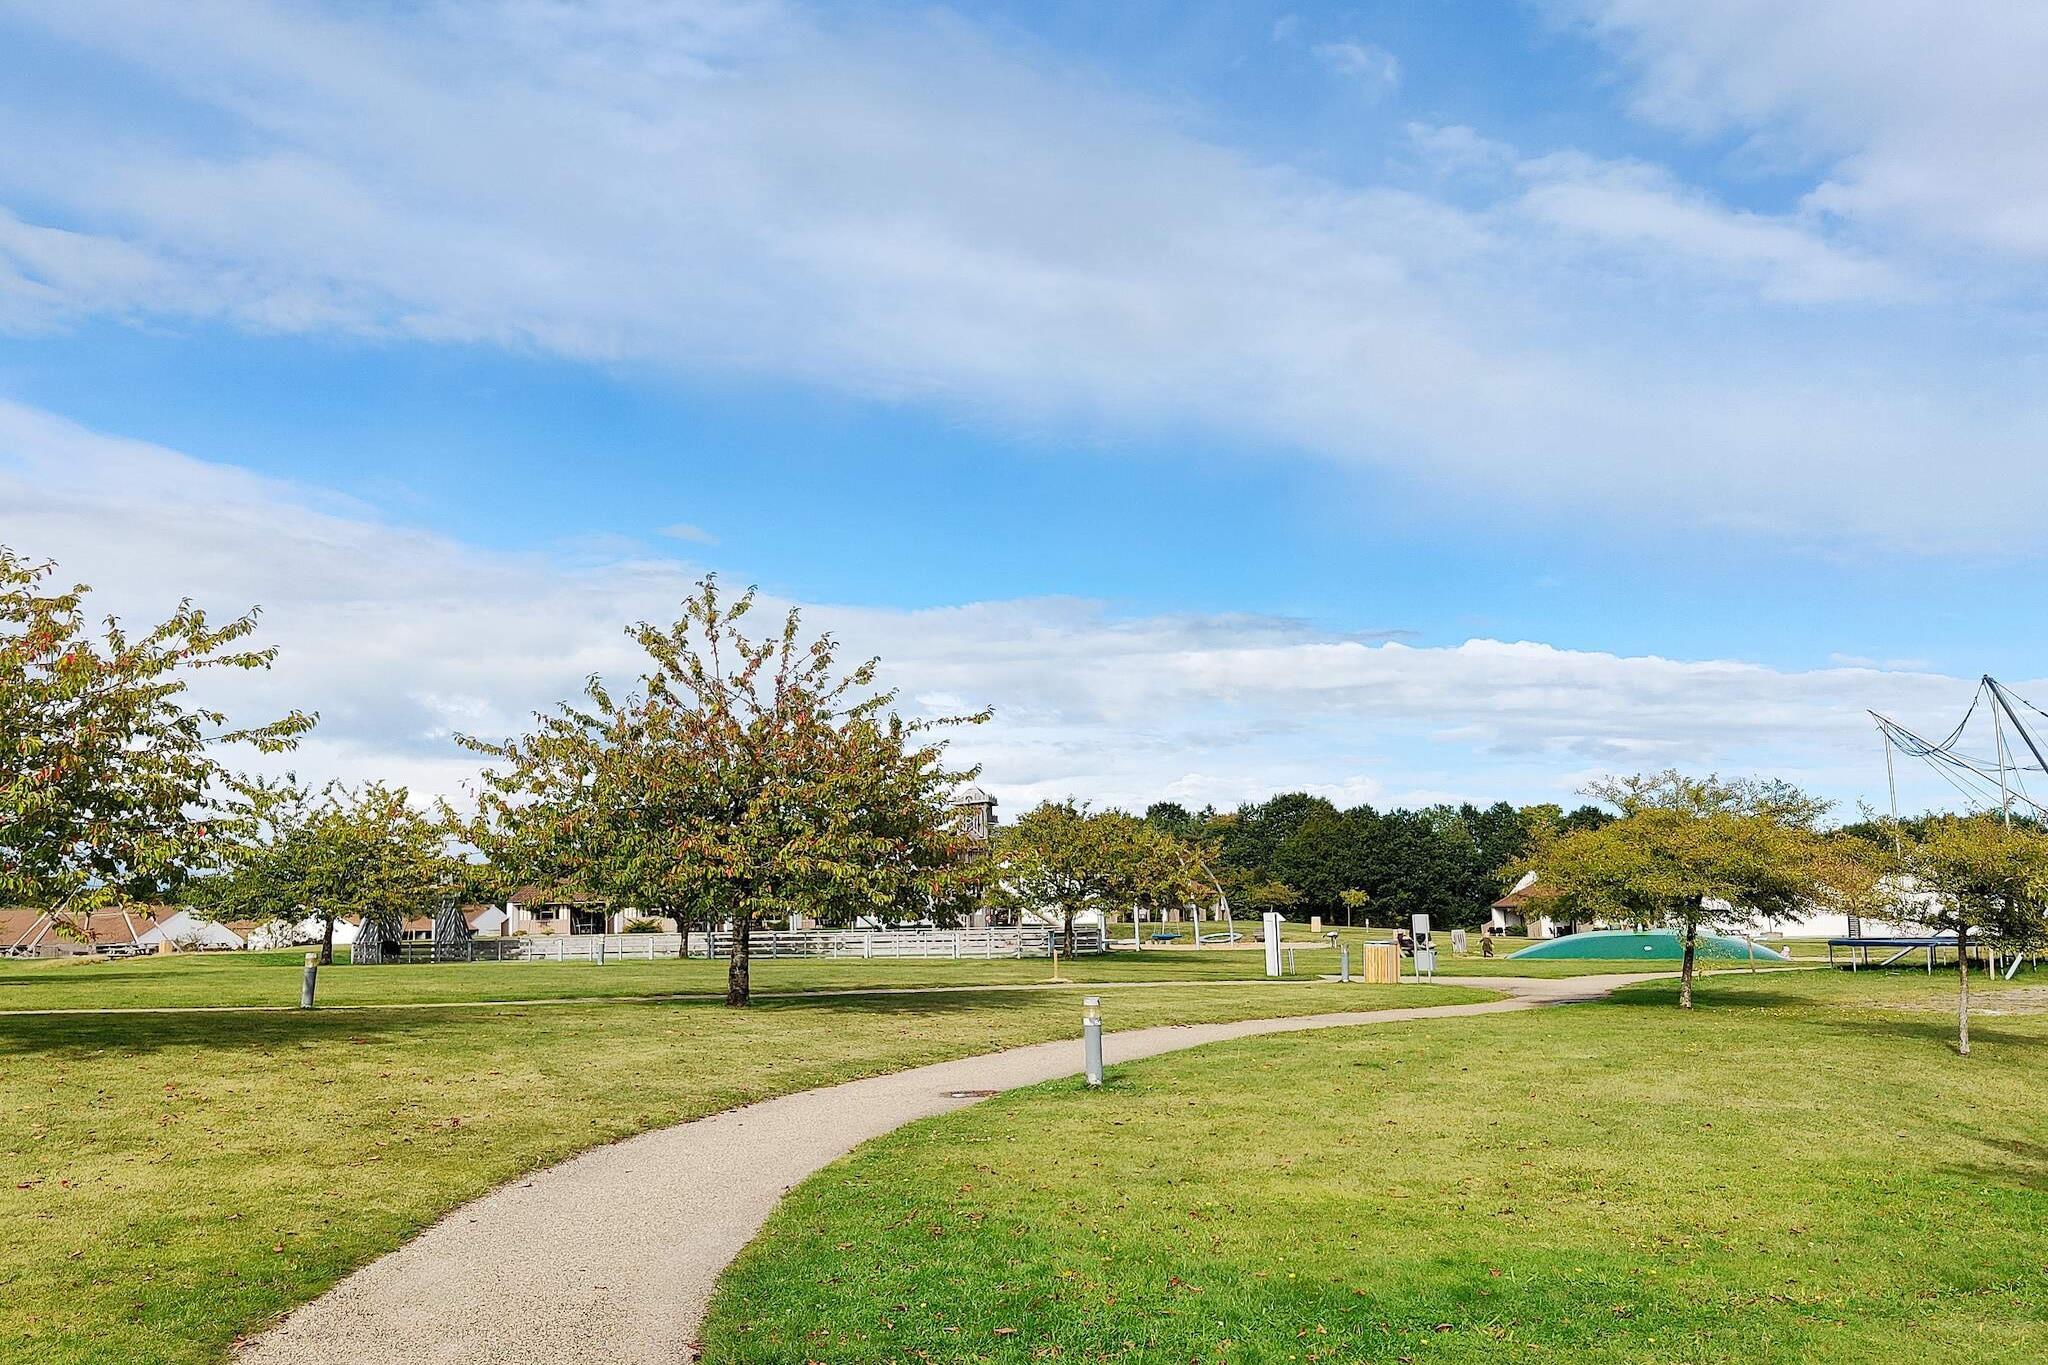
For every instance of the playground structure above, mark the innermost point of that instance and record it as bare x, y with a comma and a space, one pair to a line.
1994, 782
1652, 945
1857, 951
1997, 782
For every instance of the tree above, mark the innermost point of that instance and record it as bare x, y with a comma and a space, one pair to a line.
1317, 859
1977, 876
1684, 852
1278, 897
291, 854
1856, 878
1355, 902
745, 779
1064, 859
108, 775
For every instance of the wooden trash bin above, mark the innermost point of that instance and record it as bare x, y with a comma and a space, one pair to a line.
1380, 963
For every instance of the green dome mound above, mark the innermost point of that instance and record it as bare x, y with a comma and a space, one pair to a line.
1656, 945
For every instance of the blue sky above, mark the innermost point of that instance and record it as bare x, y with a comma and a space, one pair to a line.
1142, 369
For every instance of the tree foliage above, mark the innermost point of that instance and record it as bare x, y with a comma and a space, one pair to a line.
109, 773
1978, 879
291, 853
743, 780
1061, 860
1687, 852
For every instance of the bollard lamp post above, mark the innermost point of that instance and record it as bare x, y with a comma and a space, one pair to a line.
1091, 1038
311, 979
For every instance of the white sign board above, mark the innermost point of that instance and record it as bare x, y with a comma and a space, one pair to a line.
1420, 925
1271, 919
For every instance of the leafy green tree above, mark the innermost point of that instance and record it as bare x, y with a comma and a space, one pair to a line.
1975, 876
1355, 902
109, 775
1319, 859
1686, 852
291, 853
1279, 897
1856, 878
1174, 819
745, 779
1062, 859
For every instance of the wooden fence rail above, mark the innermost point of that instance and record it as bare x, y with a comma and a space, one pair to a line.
827, 943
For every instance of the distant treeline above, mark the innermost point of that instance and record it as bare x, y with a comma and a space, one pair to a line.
1299, 854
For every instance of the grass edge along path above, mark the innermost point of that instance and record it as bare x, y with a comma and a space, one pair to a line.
1800, 1169
169, 1181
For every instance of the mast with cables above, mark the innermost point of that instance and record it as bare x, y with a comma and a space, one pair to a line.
1979, 780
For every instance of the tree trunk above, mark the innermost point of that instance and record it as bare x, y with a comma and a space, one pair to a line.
1692, 932
1070, 935
1963, 991
327, 941
736, 985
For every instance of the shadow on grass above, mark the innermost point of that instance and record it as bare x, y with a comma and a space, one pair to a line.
1663, 995
77, 1035
2025, 1168
81, 1033
913, 1004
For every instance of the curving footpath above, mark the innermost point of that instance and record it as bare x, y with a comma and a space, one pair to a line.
612, 1256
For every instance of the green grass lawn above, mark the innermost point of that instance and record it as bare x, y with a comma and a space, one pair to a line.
1800, 1170
168, 1181
213, 979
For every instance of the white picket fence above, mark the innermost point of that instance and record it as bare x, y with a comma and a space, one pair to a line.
830, 943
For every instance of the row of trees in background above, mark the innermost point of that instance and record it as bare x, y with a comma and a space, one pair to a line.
1302, 856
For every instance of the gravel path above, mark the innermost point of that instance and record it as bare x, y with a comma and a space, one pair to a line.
611, 1256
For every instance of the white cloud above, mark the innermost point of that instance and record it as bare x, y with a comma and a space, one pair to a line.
1926, 115
1632, 206
1376, 70
1455, 149
900, 209
684, 531
401, 638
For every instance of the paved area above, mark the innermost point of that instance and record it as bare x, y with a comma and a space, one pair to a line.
611, 1256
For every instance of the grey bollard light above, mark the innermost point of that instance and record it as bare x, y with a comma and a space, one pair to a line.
1344, 962
311, 979
1091, 1038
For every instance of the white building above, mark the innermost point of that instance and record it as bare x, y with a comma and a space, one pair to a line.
187, 932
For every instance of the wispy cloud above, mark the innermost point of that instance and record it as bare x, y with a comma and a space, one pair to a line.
1375, 70
694, 535
401, 638
904, 209
1926, 117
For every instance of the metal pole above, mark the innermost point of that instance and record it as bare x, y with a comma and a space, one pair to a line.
1344, 962
1998, 695
1091, 1038
1998, 740
1891, 780
311, 980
